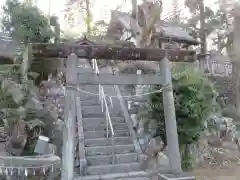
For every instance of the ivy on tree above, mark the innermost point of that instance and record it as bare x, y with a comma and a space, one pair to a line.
25, 23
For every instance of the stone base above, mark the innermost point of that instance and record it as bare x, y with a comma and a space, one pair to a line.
175, 177
83, 166
143, 161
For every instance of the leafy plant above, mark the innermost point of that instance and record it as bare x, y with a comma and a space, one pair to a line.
186, 158
195, 100
21, 106
18, 97
25, 22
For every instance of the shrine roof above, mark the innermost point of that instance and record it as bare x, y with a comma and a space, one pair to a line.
164, 30
101, 41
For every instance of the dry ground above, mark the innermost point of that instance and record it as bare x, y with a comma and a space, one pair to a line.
231, 173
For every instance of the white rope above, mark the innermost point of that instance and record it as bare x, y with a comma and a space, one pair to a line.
129, 96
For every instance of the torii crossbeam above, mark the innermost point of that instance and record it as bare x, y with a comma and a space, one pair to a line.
107, 52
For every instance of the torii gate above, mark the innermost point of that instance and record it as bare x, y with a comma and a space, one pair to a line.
89, 50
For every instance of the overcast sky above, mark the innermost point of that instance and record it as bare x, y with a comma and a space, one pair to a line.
57, 7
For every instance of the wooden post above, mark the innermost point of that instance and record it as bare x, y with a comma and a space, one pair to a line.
170, 118
69, 130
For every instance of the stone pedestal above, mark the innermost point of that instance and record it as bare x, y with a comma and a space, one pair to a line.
143, 161
162, 160
175, 177
83, 166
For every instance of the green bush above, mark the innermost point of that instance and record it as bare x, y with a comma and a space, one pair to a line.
195, 100
25, 22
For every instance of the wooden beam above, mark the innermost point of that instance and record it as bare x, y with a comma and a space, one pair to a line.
110, 53
119, 79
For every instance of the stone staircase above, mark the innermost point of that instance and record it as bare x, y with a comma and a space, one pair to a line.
98, 148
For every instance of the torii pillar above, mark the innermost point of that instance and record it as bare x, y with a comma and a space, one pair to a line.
173, 150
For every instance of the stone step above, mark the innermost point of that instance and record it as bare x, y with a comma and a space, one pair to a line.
93, 115
103, 134
90, 102
118, 159
107, 150
113, 168
135, 175
90, 87
100, 120
101, 126
90, 93
90, 96
95, 88
92, 108
115, 178
96, 110
108, 141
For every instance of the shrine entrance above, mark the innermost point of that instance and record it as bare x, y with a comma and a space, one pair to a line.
75, 76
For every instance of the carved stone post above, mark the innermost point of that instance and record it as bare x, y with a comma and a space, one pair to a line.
84, 66
69, 130
170, 118
139, 91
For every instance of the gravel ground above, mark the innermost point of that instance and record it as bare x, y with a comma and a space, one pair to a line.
231, 173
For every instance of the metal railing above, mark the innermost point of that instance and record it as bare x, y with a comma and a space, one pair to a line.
105, 109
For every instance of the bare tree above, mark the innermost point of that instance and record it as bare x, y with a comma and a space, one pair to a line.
146, 16
236, 56
202, 31
84, 10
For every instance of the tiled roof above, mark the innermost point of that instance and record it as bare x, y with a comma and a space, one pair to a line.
163, 28
174, 32
101, 40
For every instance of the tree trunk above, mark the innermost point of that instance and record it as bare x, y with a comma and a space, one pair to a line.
202, 23
202, 33
236, 77
134, 9
235, 54
136, 30
151, 13
89, 16
175, 9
